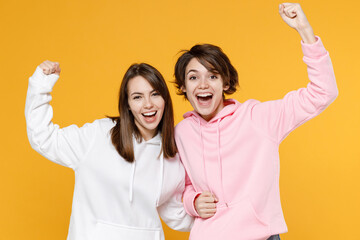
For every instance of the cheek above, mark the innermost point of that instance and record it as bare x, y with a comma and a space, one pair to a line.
134, 107
161, 104
189, 86
133, 112
189, 89
219, 88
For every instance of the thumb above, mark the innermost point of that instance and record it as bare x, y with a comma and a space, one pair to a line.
215, 198
281, 9
57, 69
282, 12
206, 194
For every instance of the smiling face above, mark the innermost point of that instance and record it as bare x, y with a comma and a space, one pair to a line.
147, 106
204, 89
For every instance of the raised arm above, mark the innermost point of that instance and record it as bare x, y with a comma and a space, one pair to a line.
278, 118
66, 146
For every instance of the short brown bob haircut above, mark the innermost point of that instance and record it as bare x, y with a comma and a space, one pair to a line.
125, 128
213, 59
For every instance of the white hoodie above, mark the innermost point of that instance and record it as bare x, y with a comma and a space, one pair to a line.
113, 199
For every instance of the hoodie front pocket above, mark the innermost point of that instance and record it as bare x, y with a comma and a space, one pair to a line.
236, 221
111, 231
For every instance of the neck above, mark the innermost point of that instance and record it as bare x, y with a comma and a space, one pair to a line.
148, 134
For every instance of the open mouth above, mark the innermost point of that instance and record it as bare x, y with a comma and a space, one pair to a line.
149, 114
204, 97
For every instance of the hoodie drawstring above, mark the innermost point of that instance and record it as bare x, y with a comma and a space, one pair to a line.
219, 161
161, 176
131, 183
230, 106
139, 150
203, 158
218, 158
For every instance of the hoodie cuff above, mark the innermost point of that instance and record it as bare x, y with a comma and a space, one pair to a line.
41, 80
189, 204
314, 50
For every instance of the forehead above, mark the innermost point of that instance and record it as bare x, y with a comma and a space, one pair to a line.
139, 84
200, 66
195, 65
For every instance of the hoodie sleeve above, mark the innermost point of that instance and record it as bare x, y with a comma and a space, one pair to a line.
64, 146
278, 118
189, 197
172, 212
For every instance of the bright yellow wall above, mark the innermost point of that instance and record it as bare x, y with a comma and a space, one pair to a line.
95, 42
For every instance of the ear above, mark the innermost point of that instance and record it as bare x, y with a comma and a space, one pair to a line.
183, 89
226, 87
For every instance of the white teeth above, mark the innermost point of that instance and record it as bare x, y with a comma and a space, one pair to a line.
149, 114
204, 95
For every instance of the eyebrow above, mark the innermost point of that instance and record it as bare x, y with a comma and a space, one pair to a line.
139, 93
136, 93
191, 70
194, 70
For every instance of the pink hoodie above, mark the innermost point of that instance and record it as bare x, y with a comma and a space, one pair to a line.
236, 155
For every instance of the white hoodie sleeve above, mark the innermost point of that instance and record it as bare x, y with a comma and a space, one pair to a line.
173, 213
65, 146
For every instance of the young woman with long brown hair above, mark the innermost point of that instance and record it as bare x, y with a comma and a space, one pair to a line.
126, 169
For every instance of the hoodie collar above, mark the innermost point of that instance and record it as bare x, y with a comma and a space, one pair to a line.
230, 106
155, 140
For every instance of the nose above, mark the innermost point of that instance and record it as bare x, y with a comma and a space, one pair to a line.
148, 103
203, 83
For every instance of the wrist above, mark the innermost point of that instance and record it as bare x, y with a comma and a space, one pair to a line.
194, 202
307, 34
189, 203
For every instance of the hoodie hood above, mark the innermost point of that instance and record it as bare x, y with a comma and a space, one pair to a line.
230, 106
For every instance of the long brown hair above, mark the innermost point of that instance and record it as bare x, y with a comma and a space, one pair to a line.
124, 129
213, 59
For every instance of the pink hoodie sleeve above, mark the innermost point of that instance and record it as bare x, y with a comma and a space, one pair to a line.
278, 118
189, 197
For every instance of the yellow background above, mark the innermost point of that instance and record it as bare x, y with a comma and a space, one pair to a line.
95, 42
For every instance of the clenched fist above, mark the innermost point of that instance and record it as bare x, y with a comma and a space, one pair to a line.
49, 67
205, 205
294, 16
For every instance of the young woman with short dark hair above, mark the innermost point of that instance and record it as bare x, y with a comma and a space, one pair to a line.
230, 150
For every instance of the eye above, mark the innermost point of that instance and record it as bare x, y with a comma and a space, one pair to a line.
136, 97
213, 77
155, 94
192, 77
